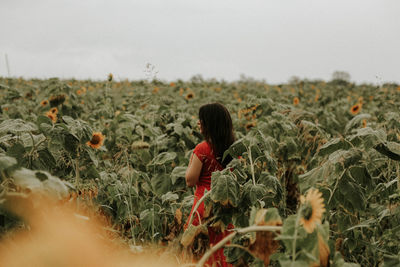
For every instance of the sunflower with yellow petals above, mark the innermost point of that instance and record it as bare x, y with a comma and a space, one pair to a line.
52, 116
189, 96
44, 103
356, 109
54, 111
97, 140
296, 101
313, 208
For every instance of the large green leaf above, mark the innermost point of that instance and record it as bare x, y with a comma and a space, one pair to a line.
390, 149
224, 189
17, 126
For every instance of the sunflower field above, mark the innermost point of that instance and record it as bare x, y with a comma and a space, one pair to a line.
315, 179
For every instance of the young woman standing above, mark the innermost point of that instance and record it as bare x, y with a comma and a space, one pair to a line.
216, 127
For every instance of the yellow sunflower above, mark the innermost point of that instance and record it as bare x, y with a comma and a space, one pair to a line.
296, 101
250, 125
96, 141
79, 92
356, 109
189, 96
110, 77
44, 103
52, 116
313, 208
172, 84
54, 111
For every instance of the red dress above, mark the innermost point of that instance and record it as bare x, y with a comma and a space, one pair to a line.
205, 154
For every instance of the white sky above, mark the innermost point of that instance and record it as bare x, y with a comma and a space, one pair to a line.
264, 39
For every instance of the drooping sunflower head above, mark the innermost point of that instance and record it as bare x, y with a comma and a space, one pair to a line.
296, 101
56, 100
312, 209
189, 96
356, 109
44, 103
96, 141
110, 77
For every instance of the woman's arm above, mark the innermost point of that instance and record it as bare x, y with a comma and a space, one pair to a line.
193, 171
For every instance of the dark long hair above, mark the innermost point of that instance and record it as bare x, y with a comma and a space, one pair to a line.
217, 129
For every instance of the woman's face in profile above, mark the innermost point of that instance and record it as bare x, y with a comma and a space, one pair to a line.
199, 125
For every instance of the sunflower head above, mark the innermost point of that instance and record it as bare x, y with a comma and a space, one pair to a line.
56, 100
181, 91
250, 125
110, 77
54, 110
312, 209
52, 116
155, 90
44, 103
356, 109
189, 96
172, 84
96, 141
79, 92
296, 101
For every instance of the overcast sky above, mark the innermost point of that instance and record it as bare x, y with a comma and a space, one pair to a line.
263, 39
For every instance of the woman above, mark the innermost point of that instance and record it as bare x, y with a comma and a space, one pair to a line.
216, 127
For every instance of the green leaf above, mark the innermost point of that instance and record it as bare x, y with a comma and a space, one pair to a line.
368, 137
177, 173
225, 189
169, 197
17, 126
161, 183
7, 162
390, 149
356, 122
253, 193
163, 158
332, 146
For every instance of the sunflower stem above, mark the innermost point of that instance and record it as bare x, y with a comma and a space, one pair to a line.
295, 236
252, 166
220, 244
197, 206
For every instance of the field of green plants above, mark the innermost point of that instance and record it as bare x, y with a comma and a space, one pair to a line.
122, 147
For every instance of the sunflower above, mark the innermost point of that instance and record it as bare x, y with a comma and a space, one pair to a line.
172, 84
313, 208
110, 77
296, 101
79, 92
54, 110
56, 100
189, 96
250, 125
155, 90
96, 141
52, 116
44, 103
356, 109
